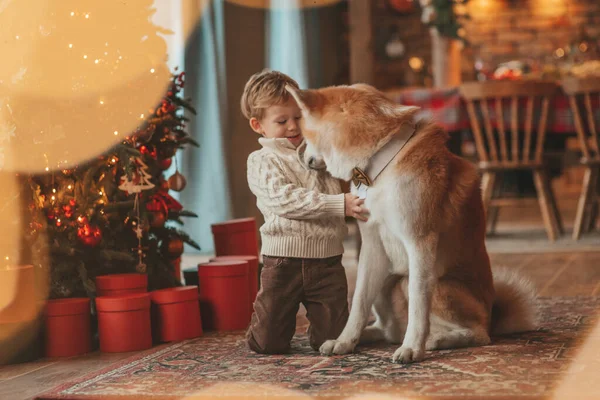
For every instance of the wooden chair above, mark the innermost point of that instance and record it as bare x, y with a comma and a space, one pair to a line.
510, 151
580, 91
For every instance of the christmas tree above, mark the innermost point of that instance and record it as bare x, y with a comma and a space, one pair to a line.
111, 214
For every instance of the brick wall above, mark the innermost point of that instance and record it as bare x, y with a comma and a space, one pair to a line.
499, 31
503, 30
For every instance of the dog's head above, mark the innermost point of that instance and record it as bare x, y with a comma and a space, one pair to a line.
344, 125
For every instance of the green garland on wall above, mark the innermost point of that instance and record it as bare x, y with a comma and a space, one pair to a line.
445, 16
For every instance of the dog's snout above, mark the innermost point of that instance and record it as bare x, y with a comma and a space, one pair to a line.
311, 162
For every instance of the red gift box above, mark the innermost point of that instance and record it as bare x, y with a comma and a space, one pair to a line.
124, 322
252, 275
176, 313
68, 330
121, 284
224, 295
236, 237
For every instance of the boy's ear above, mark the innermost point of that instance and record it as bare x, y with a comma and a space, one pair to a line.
255, 125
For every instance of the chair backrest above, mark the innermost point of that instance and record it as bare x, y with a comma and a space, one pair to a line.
581, 90
501, 94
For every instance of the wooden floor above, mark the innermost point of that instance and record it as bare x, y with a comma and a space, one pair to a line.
554, 274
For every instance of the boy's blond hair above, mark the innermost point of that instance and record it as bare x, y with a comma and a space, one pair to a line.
265, 89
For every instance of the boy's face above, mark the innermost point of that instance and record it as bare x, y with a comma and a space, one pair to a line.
280, 121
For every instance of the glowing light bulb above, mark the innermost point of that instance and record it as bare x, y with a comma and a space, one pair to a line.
7, 258
47, 169
116, 133
70, 45
142, 116
100, 193
70, 187
85, 56
87, 16
152, 70
53, 190
72, 13
53, 198
101, 101
96, 61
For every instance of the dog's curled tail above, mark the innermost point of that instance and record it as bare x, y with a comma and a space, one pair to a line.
514, 308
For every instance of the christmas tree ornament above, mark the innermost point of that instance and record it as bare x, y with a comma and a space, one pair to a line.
148, 151
141, 179
395, 47
157, 219
164, 185
165, 163
141, 268
177, 182
89, 235
173, 247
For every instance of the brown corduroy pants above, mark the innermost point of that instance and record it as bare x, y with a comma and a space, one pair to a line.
319, 284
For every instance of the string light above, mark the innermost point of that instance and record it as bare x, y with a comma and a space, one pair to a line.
54, 190
7, 258
101, 101
70, 45
87, 16
72, 13
152, 70
116, 133
17, 37
47, 169
85, 56
53, 198
100, 193
142, 116
70, 187
96, 61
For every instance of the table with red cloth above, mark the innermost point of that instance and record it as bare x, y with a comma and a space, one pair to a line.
446, 107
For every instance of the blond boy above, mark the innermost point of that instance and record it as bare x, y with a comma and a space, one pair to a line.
304, 227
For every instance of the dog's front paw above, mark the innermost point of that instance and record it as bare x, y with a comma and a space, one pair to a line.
407, 355
335, 347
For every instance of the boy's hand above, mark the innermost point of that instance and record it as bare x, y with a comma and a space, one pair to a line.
353, 207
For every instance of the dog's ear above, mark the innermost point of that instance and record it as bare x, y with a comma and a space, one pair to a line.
399, 111
307, 99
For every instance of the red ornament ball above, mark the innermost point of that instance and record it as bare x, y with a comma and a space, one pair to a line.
165, 163
157, 219
89, 235
147, 151
173, 248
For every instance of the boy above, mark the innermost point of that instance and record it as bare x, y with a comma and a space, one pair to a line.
304, 225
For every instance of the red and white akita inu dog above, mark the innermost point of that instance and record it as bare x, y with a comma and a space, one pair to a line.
423, 265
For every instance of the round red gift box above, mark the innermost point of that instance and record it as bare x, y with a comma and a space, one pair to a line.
119, 284
176, 313
124, 322
236, 237
68, 330
224, 295
252, 274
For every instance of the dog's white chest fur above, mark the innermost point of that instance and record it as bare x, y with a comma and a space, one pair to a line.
385, 224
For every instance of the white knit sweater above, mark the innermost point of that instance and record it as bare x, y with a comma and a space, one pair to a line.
303, 208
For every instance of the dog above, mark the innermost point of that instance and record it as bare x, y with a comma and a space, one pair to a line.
423, 266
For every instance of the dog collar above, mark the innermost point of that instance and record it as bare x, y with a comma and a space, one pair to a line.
383, 157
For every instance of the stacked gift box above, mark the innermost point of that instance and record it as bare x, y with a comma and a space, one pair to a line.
218, 297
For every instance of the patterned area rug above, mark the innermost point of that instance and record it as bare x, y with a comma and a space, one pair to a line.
219, 365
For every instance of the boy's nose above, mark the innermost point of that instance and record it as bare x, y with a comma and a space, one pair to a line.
293, 125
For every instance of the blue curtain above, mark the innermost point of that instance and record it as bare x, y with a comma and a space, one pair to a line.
207, 191
286, 47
